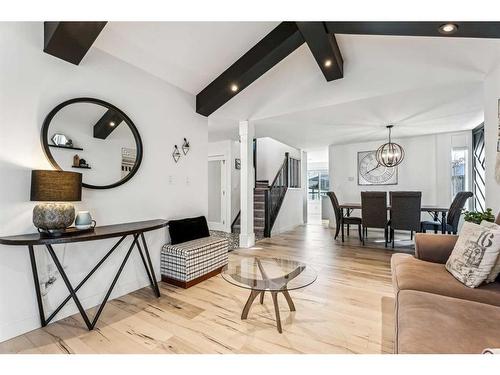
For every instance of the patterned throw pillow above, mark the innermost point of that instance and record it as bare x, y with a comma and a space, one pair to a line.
496, 268
474, 254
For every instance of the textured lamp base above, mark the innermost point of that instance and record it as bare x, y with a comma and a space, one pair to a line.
53, 218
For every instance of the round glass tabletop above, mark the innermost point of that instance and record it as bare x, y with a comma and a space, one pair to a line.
268, 274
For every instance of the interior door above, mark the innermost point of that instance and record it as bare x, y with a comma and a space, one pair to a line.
216, 193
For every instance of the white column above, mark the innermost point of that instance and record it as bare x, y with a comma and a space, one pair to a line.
247, 235
303, 182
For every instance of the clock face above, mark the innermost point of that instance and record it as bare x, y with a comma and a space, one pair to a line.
370, 172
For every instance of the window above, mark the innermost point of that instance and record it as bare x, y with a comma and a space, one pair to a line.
458, 170
318, 183
478, 168
294, 173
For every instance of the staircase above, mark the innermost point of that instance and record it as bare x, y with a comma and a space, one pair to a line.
259, 193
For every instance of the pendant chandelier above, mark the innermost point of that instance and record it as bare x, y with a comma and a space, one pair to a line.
390, 154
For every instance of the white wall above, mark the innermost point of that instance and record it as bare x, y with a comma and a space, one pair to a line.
32, 84
291, 213
426, 167
491, 134
270, 157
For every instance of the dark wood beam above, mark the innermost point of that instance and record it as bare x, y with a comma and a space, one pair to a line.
273, 48
324, 48
464, 30
70, 41
106, 124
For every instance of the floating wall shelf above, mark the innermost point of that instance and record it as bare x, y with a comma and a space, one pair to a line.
78, 166
69, 148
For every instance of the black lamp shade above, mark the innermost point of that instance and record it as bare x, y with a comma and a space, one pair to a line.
56, 186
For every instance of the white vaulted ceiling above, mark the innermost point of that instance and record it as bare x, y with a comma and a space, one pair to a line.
423, 85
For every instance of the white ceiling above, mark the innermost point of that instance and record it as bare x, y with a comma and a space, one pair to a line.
423, 85
188, 55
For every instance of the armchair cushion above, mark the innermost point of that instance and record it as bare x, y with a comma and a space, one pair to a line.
409, 273
434, 248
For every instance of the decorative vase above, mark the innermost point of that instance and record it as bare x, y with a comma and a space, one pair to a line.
84, 220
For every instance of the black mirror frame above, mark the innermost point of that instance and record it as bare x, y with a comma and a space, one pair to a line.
128, 121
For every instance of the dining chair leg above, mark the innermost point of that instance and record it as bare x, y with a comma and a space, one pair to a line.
360, 235
348, 230
337, 230
392, 236
342, 229
411, 235
386, 235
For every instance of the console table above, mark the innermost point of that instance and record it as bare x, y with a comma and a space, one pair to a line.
135, 229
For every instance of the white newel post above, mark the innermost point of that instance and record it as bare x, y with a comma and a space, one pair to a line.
247, 235
303, 183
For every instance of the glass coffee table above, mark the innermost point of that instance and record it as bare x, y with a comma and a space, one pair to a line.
273, 275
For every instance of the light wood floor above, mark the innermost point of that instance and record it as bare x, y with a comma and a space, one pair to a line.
349, 309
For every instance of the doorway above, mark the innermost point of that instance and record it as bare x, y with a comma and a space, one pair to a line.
216, 193
318, 184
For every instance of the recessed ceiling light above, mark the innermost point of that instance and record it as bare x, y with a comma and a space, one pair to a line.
234, 88
448, 28
328, 63
111, 123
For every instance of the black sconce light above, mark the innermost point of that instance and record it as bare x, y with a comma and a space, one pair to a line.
185, 146
176, 154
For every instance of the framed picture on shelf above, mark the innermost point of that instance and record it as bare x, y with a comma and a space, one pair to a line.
371, 172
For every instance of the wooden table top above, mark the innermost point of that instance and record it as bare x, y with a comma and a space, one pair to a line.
426, 208
99, 233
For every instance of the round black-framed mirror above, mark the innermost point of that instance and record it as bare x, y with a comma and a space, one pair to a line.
103, 121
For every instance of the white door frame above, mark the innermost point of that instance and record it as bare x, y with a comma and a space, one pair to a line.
223, 223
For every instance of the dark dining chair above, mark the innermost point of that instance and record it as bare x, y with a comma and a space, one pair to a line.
340, 220
405, 211
453, 216
374, 212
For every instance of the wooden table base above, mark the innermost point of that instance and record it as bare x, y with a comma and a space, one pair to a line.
274, 295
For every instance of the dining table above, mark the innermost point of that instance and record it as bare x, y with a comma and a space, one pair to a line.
434, 211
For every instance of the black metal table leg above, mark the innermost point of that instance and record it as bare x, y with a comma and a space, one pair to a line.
68, 285
101, 308
43, 322
54, 313
145, 266
150, 265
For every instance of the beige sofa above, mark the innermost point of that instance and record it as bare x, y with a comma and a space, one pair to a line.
435, 313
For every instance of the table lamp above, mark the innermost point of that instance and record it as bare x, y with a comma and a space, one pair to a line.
55, 189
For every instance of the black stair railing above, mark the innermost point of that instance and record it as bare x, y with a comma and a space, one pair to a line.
274, 196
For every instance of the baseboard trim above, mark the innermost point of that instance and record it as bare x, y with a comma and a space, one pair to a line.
189, 284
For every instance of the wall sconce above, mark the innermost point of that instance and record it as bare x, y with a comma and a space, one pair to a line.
185, 147
176, 154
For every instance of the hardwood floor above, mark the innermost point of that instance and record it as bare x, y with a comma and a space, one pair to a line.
349, 309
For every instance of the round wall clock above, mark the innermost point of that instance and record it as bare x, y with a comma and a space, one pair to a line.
371, 172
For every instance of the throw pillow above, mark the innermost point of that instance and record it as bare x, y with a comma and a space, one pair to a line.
474, 255
495, 272
188, 229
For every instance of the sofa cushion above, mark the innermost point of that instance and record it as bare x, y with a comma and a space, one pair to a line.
409, 273
188, 229
474, 254
430, 323
190, 260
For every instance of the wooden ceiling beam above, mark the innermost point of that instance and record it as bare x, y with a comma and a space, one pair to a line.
274, 47
324, 48
106, 124
70, 41
414, 28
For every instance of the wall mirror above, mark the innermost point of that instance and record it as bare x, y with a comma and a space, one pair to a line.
95, 138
